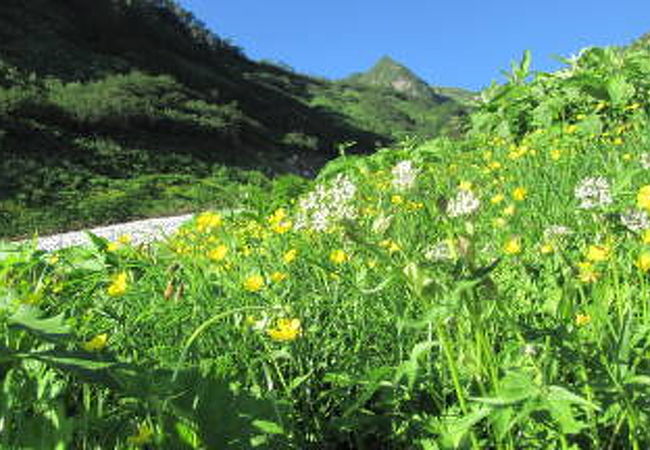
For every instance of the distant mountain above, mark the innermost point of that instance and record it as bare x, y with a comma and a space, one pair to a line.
388, 73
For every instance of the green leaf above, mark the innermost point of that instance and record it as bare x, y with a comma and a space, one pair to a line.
456, 430
30, 318
268, 427
620, 91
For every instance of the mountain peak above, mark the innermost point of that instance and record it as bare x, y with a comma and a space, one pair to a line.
388, 73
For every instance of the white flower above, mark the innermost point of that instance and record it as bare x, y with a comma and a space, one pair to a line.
326, 205
440, 251
404, 175
644, 160
635, 220
465, 202
555, 231
593, 192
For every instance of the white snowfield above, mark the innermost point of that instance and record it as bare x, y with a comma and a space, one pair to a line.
141, 231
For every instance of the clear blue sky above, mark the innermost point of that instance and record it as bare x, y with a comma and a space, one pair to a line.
464, 43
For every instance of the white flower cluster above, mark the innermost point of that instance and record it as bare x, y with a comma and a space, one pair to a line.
635, 220
464, 203
556, 231
644, 160
328, 204
404, 175
593, 192
440, 251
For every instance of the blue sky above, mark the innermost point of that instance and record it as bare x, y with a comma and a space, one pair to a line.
464, 43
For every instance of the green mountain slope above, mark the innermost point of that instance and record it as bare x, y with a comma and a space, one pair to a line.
110, 99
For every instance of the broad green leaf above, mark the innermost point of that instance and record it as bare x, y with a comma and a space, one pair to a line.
268, 427
619, 90
31, 319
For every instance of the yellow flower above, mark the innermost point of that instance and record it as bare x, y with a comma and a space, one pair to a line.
509, 210
643, 197
598, 253
276, 277
643, 262
582, 319
519, 193
119, 285
124, 239
396, 199
282, 227
53, 259
285, 330
219, 253
465, 186
96, 344
546, 248
512, 246
390, 245
207, 221
290, 256
586, 273
555, 154
279, 223
645, 236
494, 165
254, 283
339, 256
498, 198
143, 436
113, 246
570, 129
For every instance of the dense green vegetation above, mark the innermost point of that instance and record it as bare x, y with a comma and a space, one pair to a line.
102, 97
484, 292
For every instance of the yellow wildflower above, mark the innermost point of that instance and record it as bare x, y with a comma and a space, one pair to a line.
643, 262
570, 129
285, 330
124, 239
598, 253
339, 256
276, 277
207, 221
219, 253
279, 222
586, 273
498, 198
546, 248
555, 154
643, 197
582, 319
396, 199
509, 210
512, 246
390, 245
519, 193
96, 344
465, 186
494, 165
290, 256
254, 283
53, 259
119, 285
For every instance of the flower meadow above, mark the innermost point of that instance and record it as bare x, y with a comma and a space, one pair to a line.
485, 292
